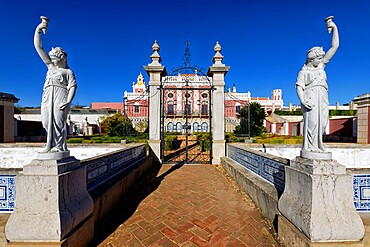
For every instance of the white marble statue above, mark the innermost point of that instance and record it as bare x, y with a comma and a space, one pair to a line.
312, 91
59, 90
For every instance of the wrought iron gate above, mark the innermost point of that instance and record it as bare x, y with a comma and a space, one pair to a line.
186, 104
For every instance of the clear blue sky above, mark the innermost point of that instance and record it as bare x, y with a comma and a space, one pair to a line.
108, 43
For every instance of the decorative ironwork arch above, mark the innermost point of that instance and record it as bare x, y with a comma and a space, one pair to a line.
184, 81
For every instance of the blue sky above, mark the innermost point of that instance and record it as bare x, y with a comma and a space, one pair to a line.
108, 43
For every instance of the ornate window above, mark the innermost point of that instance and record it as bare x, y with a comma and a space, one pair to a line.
237, 108
204, 108
136, 107
188, 108
170, 109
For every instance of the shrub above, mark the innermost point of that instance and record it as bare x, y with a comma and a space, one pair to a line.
75, 140
171, 142
87, 141
205, 144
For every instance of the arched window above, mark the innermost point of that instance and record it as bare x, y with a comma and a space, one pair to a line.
178, 127
195, 127
204, 127
170, 127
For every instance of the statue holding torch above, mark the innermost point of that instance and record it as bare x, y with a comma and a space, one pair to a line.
58, 92
312, 91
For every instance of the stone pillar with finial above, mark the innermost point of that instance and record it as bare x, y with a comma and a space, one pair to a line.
155, 71
218, 71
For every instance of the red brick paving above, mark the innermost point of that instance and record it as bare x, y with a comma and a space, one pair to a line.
189, 206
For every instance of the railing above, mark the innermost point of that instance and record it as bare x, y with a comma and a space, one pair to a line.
104, 167
182, 79
269, 167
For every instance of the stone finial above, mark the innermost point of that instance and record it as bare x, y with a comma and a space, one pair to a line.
155, 46
217, 47
156, 58
217, 58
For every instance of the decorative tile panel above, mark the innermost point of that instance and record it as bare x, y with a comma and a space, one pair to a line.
7, 193
268, 168
361, 192
105, 167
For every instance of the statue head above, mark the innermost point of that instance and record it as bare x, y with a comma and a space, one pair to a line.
314, 55
58, 56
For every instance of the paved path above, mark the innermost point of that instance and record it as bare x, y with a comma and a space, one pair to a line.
189, 205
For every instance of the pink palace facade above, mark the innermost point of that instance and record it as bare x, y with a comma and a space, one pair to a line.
135, 104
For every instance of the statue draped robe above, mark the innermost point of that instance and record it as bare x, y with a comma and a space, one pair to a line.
315, 88
57, 84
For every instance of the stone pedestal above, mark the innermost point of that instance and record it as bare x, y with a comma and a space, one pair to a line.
318, 200
52, 200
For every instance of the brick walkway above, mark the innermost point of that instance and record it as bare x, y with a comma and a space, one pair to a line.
190, 205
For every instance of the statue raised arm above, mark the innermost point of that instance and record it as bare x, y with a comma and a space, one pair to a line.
312, 91
58, 92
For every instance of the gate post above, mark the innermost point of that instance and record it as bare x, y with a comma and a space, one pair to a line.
155, 71
218, 71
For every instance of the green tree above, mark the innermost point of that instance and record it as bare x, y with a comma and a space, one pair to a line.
257, 115
78, 106
117, 125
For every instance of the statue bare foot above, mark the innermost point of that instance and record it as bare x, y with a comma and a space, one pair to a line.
55, 150
45, 150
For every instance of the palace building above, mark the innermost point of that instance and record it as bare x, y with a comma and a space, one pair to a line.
181, 102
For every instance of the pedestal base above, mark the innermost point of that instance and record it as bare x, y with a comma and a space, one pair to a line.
51, 201
291, 236
155, 149
318, 200
82, 236
315, 155
53, 155
218, 151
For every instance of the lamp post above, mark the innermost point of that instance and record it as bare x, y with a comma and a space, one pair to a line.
124, 102
187, 95
124, 112
249, 121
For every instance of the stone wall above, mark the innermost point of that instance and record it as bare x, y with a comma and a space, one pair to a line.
262, 177
101, 170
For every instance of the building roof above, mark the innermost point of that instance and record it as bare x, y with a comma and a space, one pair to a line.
76, 111
8, 97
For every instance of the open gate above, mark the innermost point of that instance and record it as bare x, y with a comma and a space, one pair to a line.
186, 100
